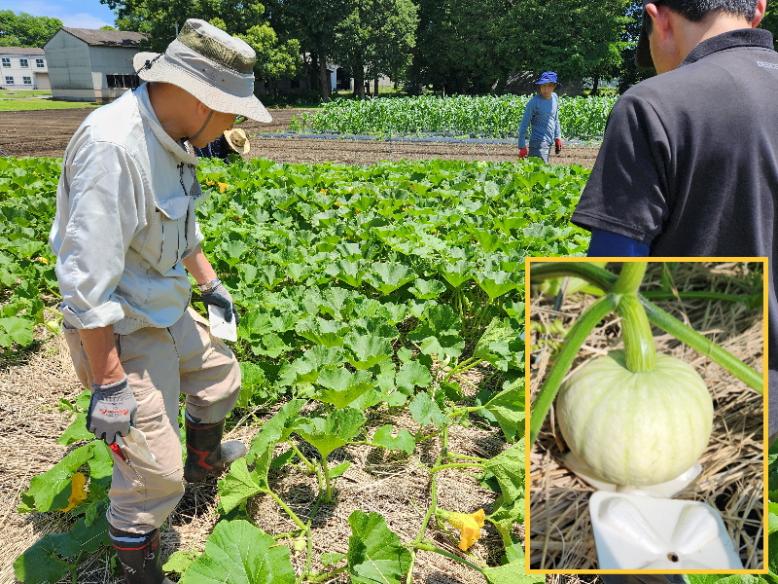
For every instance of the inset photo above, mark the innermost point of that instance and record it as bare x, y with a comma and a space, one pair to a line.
647, 431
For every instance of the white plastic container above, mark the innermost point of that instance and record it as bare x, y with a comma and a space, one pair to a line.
645, 529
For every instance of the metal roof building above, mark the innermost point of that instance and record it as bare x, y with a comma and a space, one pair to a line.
92, 65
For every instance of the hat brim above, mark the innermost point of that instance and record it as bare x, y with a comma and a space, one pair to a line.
165, 72
240, 150
643, 57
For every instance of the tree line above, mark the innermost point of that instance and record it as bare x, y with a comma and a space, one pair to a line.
448, 46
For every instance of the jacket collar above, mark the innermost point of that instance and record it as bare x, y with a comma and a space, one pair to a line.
743, 37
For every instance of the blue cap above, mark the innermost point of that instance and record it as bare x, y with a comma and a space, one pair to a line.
546, 77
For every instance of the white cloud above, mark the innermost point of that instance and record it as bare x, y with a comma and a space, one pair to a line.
62, 10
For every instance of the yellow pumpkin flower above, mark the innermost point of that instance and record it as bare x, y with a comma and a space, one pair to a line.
223, 187
468, 524
77, 492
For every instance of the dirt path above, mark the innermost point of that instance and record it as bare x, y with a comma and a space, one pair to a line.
368, 152
47, 133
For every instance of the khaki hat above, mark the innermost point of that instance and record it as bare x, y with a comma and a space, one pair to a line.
237, 140
218, 69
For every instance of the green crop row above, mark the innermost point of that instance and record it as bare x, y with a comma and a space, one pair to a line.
367, 294
459, 116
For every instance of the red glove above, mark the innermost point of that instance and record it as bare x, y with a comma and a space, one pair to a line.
558, 145
523, 152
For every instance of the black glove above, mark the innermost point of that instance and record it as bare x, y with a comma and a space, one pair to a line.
111, 411
219, 296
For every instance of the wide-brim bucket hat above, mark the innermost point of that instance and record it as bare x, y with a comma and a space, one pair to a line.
216, 68
547, 77
237, 140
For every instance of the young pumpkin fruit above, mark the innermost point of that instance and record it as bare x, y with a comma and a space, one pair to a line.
635, 428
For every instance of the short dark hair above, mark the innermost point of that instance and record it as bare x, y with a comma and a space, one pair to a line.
696, 10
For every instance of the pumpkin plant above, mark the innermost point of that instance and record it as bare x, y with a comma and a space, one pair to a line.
618, 404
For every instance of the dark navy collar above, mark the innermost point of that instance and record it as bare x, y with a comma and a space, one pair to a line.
743, 37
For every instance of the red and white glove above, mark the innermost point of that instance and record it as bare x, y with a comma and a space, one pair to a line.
523, 152
558, 145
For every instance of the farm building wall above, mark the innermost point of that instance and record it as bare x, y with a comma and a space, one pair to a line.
70, 70
112, 71
22, 68
79, 72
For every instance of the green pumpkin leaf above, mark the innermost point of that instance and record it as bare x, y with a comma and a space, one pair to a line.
507, 468
403, 441
240, 553
179, 561
375, 553
456, 273
368, 350
512, 573
50, 491
497, 283
507, 407
277, 428
427, 289
412, 375
772, 517
333, 432
342, 387
339, 470
389, 276
425, 411
239, 485
16, 330
329, 559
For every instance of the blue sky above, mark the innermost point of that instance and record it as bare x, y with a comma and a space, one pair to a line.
73, 13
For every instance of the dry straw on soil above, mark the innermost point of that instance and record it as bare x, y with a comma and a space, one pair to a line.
732, 477
392, 485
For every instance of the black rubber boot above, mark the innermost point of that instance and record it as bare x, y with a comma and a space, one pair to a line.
139, 556
205, 454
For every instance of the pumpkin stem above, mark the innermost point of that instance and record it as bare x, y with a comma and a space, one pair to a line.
636, 331
630, 278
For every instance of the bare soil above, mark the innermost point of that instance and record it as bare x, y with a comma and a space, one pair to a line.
47, 133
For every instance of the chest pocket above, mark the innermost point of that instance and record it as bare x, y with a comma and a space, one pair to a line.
174, 240
171, 226
169, 231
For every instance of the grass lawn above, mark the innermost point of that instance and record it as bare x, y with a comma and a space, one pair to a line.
17, 93
32, 104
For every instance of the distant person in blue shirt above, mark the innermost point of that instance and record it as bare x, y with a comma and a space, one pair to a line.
541, 116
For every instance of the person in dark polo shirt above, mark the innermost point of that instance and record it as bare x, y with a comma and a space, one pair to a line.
689, 162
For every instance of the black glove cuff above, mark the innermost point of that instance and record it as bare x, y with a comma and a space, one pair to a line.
110, 388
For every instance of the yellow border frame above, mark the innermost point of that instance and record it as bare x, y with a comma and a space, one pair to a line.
527, 395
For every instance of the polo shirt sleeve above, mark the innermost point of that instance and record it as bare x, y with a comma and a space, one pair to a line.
627, 190
103, 214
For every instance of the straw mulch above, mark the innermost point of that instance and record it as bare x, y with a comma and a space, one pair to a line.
393, 485
732, 476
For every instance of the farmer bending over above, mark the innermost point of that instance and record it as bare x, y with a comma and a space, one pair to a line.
125, 236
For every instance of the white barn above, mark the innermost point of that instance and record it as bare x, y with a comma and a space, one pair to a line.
23, 68
92, 65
